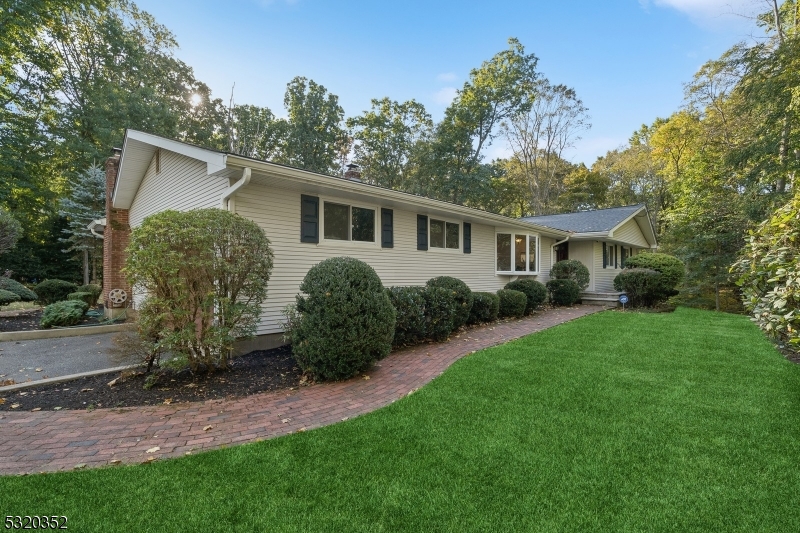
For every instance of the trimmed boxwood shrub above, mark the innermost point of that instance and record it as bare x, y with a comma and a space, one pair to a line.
87, 297
441, 309
463, 297
485, 307
24, 293
671, 269
640, 284
571, 269
6, 297
54, 290
64, 313
94, 290
511, 303
409, 306
342, 321
535, 292
563, 291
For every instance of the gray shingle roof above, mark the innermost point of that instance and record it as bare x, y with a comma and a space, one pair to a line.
587, 221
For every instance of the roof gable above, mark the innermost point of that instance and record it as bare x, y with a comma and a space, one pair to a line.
598, 220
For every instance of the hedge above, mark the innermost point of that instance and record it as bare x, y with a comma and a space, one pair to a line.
563, 291
642, 285
571, 269
511, 303
671, 269
24, 293
87, 297
64, 313
462, 294
409, 305
7, 297
54, 290
535, 292
441, 310
485, 308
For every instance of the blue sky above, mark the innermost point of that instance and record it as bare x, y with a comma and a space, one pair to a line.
626, 59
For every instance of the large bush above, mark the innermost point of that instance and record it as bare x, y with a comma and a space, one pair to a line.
642, 285
485, 308
462, 294
64, 313
511, 303
535, 292
671, 269
409, 305
563, 291
54, 290
205, 274
82, 296
94, 290
24, 293
441, 310
7, 297
342, 321
769, 274
571, 269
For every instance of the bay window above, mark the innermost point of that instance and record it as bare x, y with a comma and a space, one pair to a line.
517, 253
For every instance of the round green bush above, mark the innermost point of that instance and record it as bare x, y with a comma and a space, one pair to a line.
64, 313
409, 306
463, 297
642, 285
7, 297
563, 291
94, 290
571, 269
511, 303
24, 293
485, 308
671, 268
441, 309
54, 290
535, 292
343, 319
87, 297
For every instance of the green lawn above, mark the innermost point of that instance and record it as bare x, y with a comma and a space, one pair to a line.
615, 422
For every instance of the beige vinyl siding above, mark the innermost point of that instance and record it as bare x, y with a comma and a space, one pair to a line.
603, 277
545, 251
182, 184
631, 233
277, 211
583, 251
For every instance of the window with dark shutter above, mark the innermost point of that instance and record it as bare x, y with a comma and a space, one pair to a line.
387, 228
309, 219
422, 232
467, 238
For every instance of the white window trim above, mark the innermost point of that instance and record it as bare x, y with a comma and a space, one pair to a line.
528, 235
446, 249
349, 242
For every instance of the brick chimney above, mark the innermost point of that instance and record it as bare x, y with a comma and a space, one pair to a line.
115, 241
353, 173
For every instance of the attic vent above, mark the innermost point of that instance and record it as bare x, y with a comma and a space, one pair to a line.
353, 173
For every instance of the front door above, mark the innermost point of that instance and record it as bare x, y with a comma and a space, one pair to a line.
562, 252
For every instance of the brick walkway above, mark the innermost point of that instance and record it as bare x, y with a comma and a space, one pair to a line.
61, 440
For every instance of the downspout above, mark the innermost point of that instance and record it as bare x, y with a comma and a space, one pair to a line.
230, 191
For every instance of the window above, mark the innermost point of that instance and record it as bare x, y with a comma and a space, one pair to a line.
517, 250
348, 223
444, 234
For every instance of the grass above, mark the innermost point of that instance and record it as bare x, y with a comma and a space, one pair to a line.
615, 422
20, 306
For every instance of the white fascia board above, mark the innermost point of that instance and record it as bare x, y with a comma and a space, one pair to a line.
215, 161
420, 202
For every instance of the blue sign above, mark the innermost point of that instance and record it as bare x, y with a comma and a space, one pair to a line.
623, 299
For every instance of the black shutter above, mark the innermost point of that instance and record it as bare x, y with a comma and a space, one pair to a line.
422, 232
605, 255
467, 238
309, 218
387, 228
615, 255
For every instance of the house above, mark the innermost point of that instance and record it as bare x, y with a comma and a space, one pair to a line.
602, 240
309, 217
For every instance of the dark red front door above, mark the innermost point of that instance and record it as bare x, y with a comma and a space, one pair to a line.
562, 252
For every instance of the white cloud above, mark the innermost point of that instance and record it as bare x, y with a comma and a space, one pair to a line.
447, 77
710, 11
445, 95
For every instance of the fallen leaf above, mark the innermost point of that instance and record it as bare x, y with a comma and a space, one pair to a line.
23, 393
154, 449
38, 369
168, 401
36, 409
345, 418
366, 377
188, 453
113, 382
115, 461
301, 429
14, 405
57, 408
286, 420
79, 466
207, 428
2, 401
86, 390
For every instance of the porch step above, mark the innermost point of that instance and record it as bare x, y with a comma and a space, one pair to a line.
607, 299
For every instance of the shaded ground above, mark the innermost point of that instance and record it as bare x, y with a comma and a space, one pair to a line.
258, 371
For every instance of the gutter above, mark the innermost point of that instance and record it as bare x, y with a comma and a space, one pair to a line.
230, 191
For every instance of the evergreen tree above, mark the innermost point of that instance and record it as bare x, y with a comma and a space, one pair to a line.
86, 203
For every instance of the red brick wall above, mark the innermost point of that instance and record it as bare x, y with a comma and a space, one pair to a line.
115, 238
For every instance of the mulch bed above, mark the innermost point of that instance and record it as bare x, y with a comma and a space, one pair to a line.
255, 372
29, 321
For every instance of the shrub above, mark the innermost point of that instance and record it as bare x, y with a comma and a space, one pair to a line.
511, 303
640, 284
563, 291
54, 290
24, 293
571, 269
409, 306
6, 297
535, 292
94, 290
671, 269
64, 313
463, 297
205, 273
342, 321
441, 309
485, 308
82, 296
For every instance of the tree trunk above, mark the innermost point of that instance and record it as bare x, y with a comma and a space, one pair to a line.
85, 266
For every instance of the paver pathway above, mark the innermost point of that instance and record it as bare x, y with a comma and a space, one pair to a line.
61, 440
